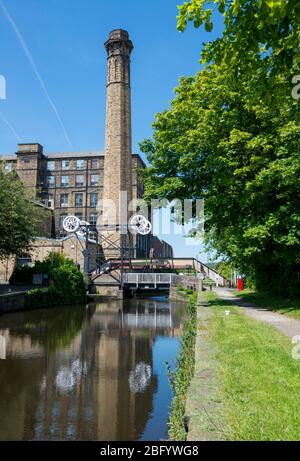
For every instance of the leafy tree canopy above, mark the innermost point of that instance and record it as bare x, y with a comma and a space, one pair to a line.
232, 136
256, 31
19, 217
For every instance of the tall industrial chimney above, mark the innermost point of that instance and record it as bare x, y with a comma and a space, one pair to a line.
118, 143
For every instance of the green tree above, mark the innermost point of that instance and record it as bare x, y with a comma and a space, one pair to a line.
256, 31
67, 284
226, 269
231, 136
19, 217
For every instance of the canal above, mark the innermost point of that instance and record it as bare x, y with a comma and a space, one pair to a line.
89, 373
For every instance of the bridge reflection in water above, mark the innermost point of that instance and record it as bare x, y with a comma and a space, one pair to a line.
95, 373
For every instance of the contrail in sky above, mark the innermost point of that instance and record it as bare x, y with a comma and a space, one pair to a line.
10, 127
35, 70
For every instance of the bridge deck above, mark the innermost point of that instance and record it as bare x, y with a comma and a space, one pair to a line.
178, 264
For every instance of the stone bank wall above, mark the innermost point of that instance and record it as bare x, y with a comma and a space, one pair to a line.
12, 302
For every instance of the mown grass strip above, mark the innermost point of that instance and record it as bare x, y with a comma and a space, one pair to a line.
259, 381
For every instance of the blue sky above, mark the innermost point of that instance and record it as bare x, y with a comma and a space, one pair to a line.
65, 40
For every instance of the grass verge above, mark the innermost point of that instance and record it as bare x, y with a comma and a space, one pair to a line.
258, 379
289, 307
181, 379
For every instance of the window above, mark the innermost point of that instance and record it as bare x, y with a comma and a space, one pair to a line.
93, 219
79, 200
64, 200
79, 180
51, 165
8, 166
50, 201
93, 199
65, 164
95, 164
94, 180
79, 216
65, 181
24, 261
50, 181
61, 219
79, 164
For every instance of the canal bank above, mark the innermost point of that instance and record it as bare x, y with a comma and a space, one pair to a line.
20, 301
195, 413
12, 302
204, 410
12, 297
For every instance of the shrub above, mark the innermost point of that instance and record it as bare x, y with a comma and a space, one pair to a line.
67, 283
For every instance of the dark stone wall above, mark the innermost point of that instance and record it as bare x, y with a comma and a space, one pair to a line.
12, 302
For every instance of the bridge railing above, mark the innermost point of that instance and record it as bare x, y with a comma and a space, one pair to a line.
149, 278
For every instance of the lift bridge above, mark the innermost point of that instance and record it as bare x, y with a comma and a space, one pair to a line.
141, 275
116, 266
135, 281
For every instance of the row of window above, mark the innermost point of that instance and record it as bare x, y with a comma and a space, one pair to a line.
79, 181
65, 165
79, 164
92, 218
64, 199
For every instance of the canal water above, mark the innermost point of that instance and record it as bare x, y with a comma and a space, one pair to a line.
90, 373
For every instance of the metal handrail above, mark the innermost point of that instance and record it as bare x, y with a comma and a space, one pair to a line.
148, 278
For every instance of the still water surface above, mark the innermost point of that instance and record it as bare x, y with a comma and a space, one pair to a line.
91, 373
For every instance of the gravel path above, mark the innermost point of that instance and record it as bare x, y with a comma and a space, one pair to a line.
287, 325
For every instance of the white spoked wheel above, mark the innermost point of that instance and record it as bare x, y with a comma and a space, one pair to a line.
140, 225
83, 228
71, 224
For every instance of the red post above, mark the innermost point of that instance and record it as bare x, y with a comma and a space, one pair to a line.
240, 284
